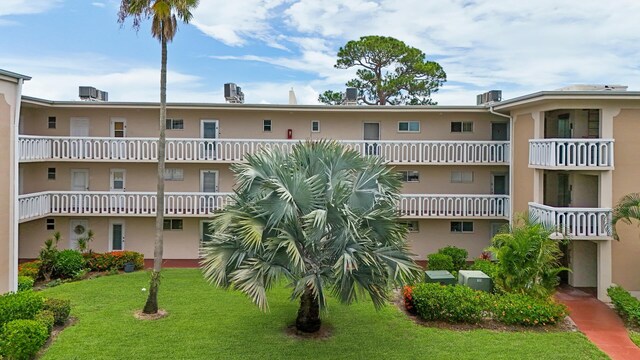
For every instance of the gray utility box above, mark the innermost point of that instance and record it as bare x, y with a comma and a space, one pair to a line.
477, 280
439, 276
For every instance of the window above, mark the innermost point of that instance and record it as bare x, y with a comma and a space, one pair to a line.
412, 226
462, 126
172, 174
51, 173
409, 175
462, 177
315, 126
409, 126
172, 224
51, 224
266, 125
175, 124
462, 226
51, 122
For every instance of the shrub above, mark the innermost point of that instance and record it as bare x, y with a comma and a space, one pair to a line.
439, 261
458, 256
21, 339
25, 283
449, 303
123, 257
68, 263
486, 266
407, 295
30, 269
625, 304
48, 256
519, 309
46, 318
113, 260
60, 309
18, 306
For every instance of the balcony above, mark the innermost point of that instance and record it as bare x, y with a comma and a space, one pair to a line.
194, 204
576, 223
454, 206
571, 154
43, 148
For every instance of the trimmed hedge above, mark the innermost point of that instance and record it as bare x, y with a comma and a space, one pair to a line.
486, 266
439, 261
67, 263
458, 256
18, 306
449, 303
30, 269
520, 309
25, 283
625, 304
22, 339
60, 309
114, 260
45, 317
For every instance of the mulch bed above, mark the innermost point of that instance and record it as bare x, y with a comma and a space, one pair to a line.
325, 332
57, 329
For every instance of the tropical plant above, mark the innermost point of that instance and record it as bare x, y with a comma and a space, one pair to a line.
437, 261
164, 16
528, 260
323, 218
458, 256
627, 210
391, 72
48, 255
83, 242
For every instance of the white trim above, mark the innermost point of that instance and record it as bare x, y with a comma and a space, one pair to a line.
203, 121
72, 224
74, 121
315, 121
112, 129
13, 191
111, 179
202, 172
86, 171
117, 222
409, 126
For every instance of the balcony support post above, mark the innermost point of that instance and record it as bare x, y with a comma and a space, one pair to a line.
604, 269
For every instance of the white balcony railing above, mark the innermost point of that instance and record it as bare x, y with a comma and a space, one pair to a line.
42, 148
578, 223
90, 203
454, 206
571, 153
193, 204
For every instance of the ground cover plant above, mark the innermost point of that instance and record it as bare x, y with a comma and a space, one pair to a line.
207, 323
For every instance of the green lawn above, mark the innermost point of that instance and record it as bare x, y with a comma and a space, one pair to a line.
208, 323
635, 337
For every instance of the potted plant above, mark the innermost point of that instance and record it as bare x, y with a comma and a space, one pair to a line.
129, 267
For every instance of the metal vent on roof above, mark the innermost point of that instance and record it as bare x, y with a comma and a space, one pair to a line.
89, 93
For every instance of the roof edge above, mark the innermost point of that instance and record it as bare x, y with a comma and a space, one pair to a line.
14, 75
574, 95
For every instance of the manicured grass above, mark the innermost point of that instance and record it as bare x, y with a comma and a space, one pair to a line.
635, 337
208, 323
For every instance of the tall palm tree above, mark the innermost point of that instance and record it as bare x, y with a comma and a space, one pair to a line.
627, 209
321, 217
164, 16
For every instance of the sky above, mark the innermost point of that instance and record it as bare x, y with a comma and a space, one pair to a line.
270, 46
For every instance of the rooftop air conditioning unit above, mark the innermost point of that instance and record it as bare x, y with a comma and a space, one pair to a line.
89, 93
351, 96
489, 97
233, 93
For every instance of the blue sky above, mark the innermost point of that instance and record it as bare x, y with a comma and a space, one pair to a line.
270, 46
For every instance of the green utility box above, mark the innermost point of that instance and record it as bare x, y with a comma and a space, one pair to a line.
439, 276
477, 280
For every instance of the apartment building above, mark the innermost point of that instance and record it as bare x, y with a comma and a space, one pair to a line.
466, 170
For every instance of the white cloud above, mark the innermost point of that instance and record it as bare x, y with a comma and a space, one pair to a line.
20, 7
98, 4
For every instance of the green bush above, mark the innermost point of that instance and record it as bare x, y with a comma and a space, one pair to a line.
519, 309
48, 256
625, 304
486, 266
440, 262
449, 303
21, 339
45, 317
68, 263
60, 309
18, 306
113, 261
30, 269
458, 256
25, 283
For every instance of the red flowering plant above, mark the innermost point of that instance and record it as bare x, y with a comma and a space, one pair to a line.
407, 294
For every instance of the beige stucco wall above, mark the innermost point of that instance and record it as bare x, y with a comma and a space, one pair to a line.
437, 179
583, 263
522, 193
626, 252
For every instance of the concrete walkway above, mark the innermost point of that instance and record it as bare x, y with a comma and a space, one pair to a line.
599, 323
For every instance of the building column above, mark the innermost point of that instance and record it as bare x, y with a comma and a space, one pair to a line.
604, 269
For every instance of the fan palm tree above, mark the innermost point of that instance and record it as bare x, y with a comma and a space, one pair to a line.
164, 16
322, 217
627, 209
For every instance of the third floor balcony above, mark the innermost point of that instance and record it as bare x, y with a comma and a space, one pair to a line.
571, 154
105, 149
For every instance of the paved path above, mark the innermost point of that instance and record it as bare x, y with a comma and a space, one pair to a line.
599, 323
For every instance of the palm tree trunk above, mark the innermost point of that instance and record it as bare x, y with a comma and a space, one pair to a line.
309, 313
151, 306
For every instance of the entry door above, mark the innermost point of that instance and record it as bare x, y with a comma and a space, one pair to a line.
79, 127
79, 180
117, 181
77, 230
118, 130
564, 190
118, 127
564, 126
116, 235
371, 132
208, 181
208, 130
205, 232
499, 184
499, 131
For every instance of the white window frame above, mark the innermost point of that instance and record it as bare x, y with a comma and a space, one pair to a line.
405, 176
112, 129
315, 122
171, 123
117, 222
52, 222
54, 173
413, 226
460, 177
264, 125
112, 179
462, 231
462, 127
202, 172
171, 228
409, 122
52, 120
171, 174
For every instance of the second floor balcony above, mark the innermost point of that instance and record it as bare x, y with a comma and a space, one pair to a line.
571, 154
60, 148
575, 223
197, 204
